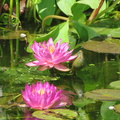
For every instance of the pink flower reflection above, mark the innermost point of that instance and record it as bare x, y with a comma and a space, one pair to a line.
45, 96
49, 55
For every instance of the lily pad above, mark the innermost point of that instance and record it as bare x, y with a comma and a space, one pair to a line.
115, 84
117, 108
102, 47
55, 114
103, 94
15, 35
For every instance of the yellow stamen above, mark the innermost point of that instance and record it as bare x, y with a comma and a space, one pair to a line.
41, 91
51, 49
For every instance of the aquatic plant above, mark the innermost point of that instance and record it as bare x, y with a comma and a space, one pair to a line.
51, 55
45, 96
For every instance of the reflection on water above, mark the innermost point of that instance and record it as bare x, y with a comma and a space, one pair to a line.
28, 116
16, 114
1, 92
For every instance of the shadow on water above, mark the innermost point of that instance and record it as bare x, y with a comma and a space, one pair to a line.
5, 51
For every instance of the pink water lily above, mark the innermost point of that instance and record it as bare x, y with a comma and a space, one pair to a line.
49, 55
45, 96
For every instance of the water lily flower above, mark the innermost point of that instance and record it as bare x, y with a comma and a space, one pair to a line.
49, 55
45, 96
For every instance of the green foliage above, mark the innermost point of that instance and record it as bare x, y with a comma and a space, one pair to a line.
65, 6
93, 4
78, 8
84, 32
45, 8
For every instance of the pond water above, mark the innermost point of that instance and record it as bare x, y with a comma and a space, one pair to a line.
98, 71
85, 82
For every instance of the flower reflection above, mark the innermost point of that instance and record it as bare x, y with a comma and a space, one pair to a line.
28, 116
45, 96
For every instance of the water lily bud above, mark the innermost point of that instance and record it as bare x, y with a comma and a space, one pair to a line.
78, 62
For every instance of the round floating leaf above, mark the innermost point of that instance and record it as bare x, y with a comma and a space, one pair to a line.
45, 115
117, 108
107, 113
103, 94
65, 112
55, 114
102, 47
115, 84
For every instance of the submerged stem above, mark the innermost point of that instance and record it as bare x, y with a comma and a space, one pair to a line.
17, 40
11, 41
11, 53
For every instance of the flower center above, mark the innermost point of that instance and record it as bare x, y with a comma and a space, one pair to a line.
51, 49
41, 91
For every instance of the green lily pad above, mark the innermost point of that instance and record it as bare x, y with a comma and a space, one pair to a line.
14, 35
115, 33
103, 94
102, 47
55, 114
117, 108
107, 111
115, 84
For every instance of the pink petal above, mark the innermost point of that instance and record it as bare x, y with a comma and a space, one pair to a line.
35, 47
72, 57
50, 42
32, 63
61, 67
42, 68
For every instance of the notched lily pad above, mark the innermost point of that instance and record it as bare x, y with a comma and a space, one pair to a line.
102, 47
55, 114
103, 94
